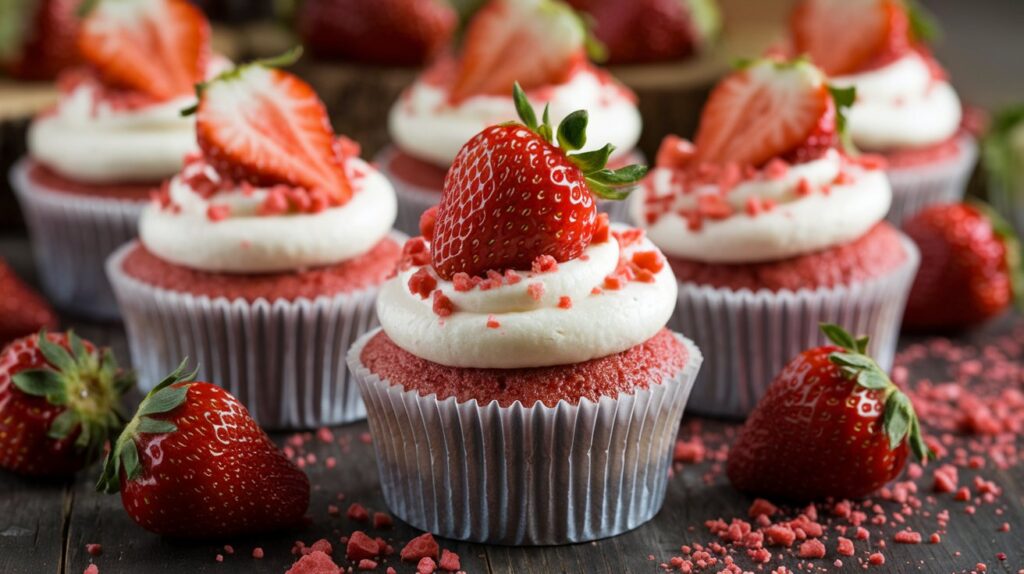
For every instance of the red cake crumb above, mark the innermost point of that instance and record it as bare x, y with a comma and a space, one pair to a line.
761, 506
94, 549
423, 546
845, 547
357, 512
426, 565
428, 221
219, 558
361, 546
422, 283
875, 254
535, 290
449, 561
602, 229
812, 549
876, 559
314, 563
907, 537
382, 520
415, 253
565, 302
544, 264
366, 564
371, 268
54, 182
692, 451
258, 553
651, 362
492, 322
322, 545
91, 569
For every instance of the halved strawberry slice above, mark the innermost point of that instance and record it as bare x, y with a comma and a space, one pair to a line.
533, 42
158, 47
842, 36
762, 111
265, 126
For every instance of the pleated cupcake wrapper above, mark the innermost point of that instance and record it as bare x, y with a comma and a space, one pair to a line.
72, 236
748, 336
284, 359
524, 476
413, 199
915, 188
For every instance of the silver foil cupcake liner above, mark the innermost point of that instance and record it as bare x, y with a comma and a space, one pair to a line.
413, 199
524, 475
72, 236
915, 188
749, 336
284, 359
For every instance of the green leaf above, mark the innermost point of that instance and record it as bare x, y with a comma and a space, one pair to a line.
523, 107
592, 161
149, 425
130, 459
839, 336
917, 444
572, 132
86, 8
862, 344
898, 418
544, 130
55, 354
608, 192
873, 378
843, 99
164, 401
852, 360
628, 175
78, 351
64, 424
39, 382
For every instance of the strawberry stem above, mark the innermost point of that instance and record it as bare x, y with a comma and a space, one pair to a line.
899, 421
572, 136
124, 455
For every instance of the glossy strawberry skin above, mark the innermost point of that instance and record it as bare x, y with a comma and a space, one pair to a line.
25, 420
642, 31
815, 434
218, 475
964, 278
510, 197
50, 42
824, 137
382, 32
22, 310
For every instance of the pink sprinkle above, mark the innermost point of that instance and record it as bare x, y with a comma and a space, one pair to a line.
536, 291
257, 553
94, 549
565, 302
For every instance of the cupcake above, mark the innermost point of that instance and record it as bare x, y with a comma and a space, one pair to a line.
262, 258
37, 42
1004, 165
363, 54
906, 109
772, 228
523, 345
115, 133
539, 43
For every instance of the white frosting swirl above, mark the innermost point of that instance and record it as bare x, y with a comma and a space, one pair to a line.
426, 126
245, 242
87, 140
798, 224
901, 106
532, 333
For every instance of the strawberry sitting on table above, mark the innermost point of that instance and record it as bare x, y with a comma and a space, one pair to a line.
193, 464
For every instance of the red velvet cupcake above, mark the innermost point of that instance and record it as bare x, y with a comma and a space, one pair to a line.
539, 43
114, 135
771, 228
906, 110
523, 343
262, 259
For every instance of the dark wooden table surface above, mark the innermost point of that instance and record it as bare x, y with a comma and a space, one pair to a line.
45, 527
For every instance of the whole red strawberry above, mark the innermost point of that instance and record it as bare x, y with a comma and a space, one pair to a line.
641, 31
262, 125
22, 310
60, 400
385, 32
511, 195
156, 47
832, 424
533, 42
970, 267
193, 464
37, 39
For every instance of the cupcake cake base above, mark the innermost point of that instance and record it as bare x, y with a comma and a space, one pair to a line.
74, 229
518, 475
267, 339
